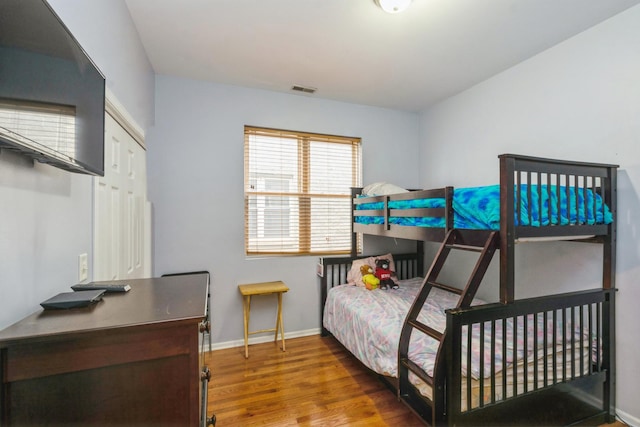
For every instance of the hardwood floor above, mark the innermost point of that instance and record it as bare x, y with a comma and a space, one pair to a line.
316, 382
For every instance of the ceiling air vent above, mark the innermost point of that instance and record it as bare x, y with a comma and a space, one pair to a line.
304, 89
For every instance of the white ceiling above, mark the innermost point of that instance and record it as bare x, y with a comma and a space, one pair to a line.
352, 51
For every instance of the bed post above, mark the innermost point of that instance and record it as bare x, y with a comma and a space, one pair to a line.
608, 282
610, 199
420, 261
609, 356
507, 229
448, 215
354, 236
321, 271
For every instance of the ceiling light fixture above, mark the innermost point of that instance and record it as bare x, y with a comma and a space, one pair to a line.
393, 6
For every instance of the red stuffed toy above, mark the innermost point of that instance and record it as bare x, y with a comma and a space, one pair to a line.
384, 273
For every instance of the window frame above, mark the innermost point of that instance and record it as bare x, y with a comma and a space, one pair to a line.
303, 195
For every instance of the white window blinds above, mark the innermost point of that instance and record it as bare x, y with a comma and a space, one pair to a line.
297, 191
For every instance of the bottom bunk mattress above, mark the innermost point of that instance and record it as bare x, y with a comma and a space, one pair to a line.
369, 323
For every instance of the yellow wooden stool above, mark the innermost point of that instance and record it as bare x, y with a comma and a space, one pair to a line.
264, 288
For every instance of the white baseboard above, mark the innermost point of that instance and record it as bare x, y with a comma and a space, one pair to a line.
628, 419
264, 338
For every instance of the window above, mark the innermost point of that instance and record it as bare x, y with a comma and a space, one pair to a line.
298, 191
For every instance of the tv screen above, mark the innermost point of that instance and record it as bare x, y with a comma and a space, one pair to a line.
51, 93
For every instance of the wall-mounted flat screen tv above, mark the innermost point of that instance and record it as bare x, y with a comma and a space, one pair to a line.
51, 93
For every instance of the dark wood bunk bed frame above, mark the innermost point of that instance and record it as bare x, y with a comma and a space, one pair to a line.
568, 396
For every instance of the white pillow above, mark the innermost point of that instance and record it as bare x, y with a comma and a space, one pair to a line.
382, 189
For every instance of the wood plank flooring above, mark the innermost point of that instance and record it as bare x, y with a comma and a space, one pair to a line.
316, 382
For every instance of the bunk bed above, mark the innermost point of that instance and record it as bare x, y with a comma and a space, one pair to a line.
450, 363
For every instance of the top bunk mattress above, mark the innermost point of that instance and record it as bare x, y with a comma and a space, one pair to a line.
479, 208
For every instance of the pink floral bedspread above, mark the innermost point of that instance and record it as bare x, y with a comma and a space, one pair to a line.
368, 324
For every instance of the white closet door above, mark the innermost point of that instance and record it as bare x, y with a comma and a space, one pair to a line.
121, 214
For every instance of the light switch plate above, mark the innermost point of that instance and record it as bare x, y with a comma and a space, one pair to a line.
83, 267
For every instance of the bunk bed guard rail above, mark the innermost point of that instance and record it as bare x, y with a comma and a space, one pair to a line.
538, 179
540, 389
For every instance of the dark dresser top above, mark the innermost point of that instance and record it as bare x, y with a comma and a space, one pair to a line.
150, 301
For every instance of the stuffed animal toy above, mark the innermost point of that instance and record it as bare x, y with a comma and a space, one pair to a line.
384, 273
369, 279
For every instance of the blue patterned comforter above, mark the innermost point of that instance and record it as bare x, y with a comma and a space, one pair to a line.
479, 208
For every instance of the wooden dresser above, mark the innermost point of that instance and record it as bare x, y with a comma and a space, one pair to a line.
131, 359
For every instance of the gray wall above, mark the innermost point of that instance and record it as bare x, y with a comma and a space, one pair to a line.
578, 100
195, 167
46, 213
105, 30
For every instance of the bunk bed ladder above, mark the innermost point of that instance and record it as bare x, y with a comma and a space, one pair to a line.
484, 242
